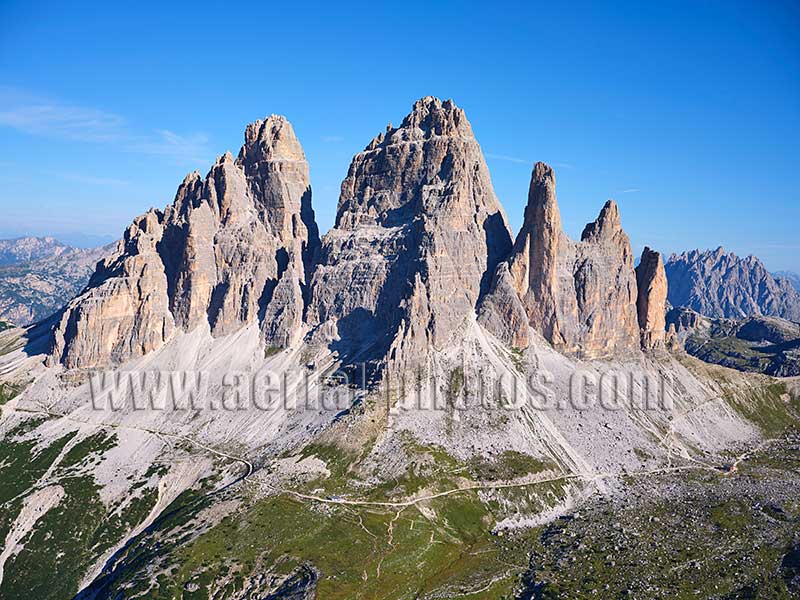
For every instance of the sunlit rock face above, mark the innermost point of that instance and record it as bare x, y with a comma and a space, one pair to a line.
418, 234
580, 296
719, 284
233, 248
651, 303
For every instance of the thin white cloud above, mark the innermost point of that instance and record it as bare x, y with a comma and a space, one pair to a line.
42, 117
332, 139
192, 148
507, 158
91, 180
524, 161
630, 191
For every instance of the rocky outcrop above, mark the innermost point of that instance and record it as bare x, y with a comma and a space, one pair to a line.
685, 319
234, 248
651, 302
581, 296
124, 311
418, 235
723, 285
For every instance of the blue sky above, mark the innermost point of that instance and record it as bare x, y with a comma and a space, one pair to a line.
687, 114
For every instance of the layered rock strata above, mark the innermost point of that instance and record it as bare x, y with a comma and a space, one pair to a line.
233, 248
418, 235
581, 296
651, 302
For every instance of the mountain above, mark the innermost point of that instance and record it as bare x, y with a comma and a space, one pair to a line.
31, 290
233, 248
416, 405
29, 249
723, 285
768, 345
581, 296
418, 234
790, 276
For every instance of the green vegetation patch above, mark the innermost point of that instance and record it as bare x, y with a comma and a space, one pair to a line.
9, 391
72, 535
359, 552
455, 384
508, 465
770, 407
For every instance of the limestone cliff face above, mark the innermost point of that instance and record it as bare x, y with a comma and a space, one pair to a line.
651, 304
420, 242
124, 310
234, 248
581, 296
418, 234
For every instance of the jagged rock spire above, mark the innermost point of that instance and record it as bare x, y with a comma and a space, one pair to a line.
581, 296
651, 303
232, 249
607, 225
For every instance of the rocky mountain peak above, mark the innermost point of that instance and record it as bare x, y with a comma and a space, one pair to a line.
722, 285
234, 248
607, 225
544, 173
429, 118
270, 139
418, 234
581, 296
433, 117
26, 249
409, 170
651, 302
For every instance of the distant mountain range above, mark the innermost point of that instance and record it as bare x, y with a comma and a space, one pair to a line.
722, 285
39, 275
27, 249
790, 276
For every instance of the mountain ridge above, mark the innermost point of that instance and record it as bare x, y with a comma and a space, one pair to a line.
30, 248
194, 412
37, 281
724, 285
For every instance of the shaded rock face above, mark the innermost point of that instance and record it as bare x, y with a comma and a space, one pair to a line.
770, 329
651, 302
234, 248
684, 319
581, 296
723, 285
418, 234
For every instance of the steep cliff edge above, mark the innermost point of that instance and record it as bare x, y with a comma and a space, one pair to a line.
651, 302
